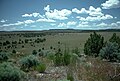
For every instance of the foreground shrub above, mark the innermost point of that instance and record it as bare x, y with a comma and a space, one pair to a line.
29, 62
41, 68
70, 77
93, 45
8, 72
58, 59
3, 57
110, 52
66, 57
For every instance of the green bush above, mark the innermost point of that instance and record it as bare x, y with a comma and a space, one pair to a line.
41, 68
13, 51
66, 57
58, 59
3, 57
29, 62
110, 52
93, 45
8, 72
70, 77
34, 52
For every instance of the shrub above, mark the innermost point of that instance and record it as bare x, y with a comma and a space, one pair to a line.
41, 68
58, 59
34, 52
13, 51
66, 57
70, 77
8, 72
3, 57
110, 52
93, 45
29, 62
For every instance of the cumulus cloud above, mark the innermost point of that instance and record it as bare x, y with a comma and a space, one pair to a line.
57, 14
92, 11
3, 21
82, 11
102, 24
111, 4
19, 23
70, 23
45, 20
28, 21
33, 15
47, 8
62, 25
97, 18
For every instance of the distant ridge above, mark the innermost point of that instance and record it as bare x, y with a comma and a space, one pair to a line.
67, 30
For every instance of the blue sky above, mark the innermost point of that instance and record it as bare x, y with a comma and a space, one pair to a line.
16, 15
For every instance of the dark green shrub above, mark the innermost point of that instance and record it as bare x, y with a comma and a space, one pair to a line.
58, 59
93, 45
29, 62
41, 68
110, 52
3, 57
8, 72
70, 77
66, 57
34, 52
14, 51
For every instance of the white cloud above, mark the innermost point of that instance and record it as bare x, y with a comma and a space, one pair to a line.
114, 24
62, 25
57, 14
3, 21
95, 12
68, 24
71, 23
18, 23
28, 21
45, 20
84, 23
111, 4
52, 24
92, 11
98, 18
82, 11
33, 15
27, 15
118, 22
102, 24
47, 8
14, 24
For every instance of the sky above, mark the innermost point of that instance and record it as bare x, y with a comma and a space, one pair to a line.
18, 15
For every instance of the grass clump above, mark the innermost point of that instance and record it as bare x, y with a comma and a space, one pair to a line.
41, 68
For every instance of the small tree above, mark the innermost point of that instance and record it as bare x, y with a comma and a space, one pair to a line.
110, 52
93, 45
115, 39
